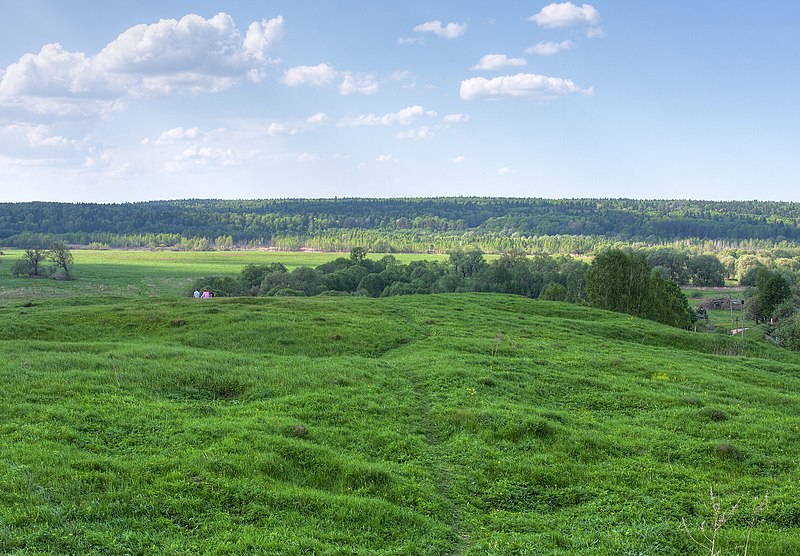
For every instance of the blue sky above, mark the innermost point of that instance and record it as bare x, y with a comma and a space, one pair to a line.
131, 101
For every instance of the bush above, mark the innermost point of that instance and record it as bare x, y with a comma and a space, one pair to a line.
553, 292
22, 267
221, 286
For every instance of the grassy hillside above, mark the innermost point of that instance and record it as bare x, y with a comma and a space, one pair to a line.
456, 424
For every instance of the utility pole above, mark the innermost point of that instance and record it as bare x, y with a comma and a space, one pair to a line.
743, 329
730, 304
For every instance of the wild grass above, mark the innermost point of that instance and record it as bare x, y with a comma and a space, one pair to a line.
460, 424
392, 426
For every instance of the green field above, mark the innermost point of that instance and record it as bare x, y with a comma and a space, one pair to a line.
457, 424
147, 273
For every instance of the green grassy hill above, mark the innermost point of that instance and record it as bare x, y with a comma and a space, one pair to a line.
458, 424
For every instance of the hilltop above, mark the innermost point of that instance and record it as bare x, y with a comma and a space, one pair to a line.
441, 424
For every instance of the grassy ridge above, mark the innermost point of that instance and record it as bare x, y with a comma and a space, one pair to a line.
449, 424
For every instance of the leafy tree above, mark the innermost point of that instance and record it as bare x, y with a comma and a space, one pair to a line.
623, 282
253, 274
667, 304
34, 257
468, 264
62, 257
553, 292
358, 255
618, 281
346, 279
673, 262
575, 277
705, 270
373, 284
773, 289
747, 267
788, 331
303, 279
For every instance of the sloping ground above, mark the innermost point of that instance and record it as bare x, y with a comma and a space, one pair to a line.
454, 424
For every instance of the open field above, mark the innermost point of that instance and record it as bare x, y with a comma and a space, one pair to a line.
144, 273
457, 424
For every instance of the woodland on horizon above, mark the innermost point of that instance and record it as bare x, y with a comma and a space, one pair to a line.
396, 224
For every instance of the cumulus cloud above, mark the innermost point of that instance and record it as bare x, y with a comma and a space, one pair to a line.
35, 135
549, 48
307, 157
324, 74
457, 159
492, 62
192, 54
566, 14
318, 75
529, 85
406, 116
318, 118
276, 129
358, 84
504, 171
449, 31
387, 158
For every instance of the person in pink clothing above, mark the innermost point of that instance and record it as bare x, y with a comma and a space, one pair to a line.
206, 294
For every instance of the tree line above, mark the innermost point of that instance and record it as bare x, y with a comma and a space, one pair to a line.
504, 221
616, 280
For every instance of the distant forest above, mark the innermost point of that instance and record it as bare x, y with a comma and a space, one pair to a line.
407, 225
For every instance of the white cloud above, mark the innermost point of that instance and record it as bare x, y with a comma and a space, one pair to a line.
358, 84
33, 135
387, 158
449, 31
192, 54
406, 116
504, 171
179, 134
276, 129
595, 32
324, 74
318, 75
457, 159
401, 75
318, 118
492, 62
566, 14
455, 118
262, 36
410, 40
201, 156
307, 157
423, 132
175, 134
528, 85
549, 48
97, 160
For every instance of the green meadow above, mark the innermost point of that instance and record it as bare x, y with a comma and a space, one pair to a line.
136, 420
147, 273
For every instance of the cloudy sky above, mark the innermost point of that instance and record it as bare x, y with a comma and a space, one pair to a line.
127, 101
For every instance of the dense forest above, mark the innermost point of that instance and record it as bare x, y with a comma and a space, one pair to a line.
413, 224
